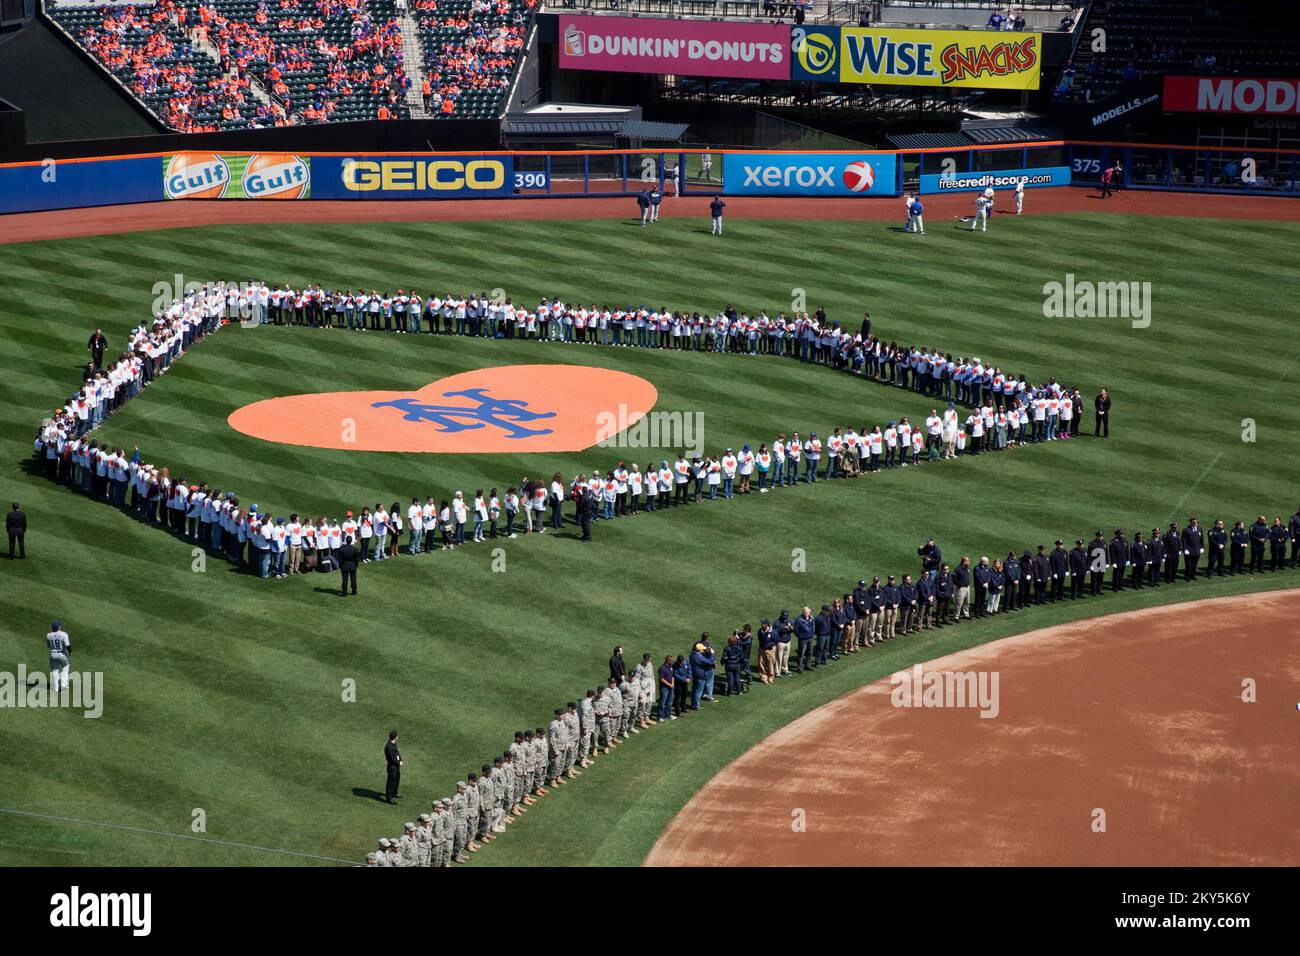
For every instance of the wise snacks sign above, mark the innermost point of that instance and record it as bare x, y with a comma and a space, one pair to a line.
982, 59
753, 51
1231, 94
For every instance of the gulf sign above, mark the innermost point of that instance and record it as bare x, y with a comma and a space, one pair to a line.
754, 51
810, 174
982, 59
203, 175
427, 176
1231, 94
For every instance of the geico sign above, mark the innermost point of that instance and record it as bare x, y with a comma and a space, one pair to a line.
804, 176
405, 175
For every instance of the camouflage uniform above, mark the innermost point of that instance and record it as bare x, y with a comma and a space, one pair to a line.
557, 738
500, 788
539, 761
487, 800
441, 826
648, 680
587, 729
572, 726
460, 822
614, 703
473, 801
519, 775
631, 695
449, 837
410, 847
382, 853
424, 837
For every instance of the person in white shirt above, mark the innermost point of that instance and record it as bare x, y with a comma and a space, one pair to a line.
480, 514
415, 523
1020, 196
460, 513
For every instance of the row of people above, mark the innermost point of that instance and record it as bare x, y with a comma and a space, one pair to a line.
938, 595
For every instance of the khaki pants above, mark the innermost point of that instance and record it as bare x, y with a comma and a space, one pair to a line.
767, 665
875, 621
891, 616
963, 603
783, 658
295, 557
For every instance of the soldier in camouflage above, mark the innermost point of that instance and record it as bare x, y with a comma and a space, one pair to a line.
531, 777
557, 740
572, 728
449, 837
539, 762
631, 694
647, 677
519, 774
441, 829
382, 853
410, 855
614, 704
487, 800
586, 729
424, 838
460, 822
500, 791
473, 803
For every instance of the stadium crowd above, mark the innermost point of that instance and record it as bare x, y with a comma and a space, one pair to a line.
938, 594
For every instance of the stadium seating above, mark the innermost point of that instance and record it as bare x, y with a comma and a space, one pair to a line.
209, 65
1146, 38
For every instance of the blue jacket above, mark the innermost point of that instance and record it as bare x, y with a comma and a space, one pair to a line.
805, 628
701, 663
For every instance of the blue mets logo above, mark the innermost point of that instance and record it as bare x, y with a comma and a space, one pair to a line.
502, 413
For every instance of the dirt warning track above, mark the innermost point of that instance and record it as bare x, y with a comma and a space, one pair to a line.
1139, 715
106, 220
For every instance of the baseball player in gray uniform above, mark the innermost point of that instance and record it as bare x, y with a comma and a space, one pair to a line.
60, 646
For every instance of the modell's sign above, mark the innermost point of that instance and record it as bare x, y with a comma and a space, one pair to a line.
1231, 94
754, 51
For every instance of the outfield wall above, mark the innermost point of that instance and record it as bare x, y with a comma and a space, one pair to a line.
865, 174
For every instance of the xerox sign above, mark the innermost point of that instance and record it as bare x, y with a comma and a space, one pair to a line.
810, 174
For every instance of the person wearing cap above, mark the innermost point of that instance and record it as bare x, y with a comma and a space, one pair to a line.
1042, 573
586, 729
409, 847
448, 850
59, 644
931, 556
1118, 554
731, 663
1098, 562
1240, 539
572, 727
460, 822
893, 599
1259, 534
767, 664
1078, 569
702, 660
372, 859
1155, 557
382, 855
482, 826
645, 679
630, 691
537, 737
557, 742
909, 606
1278, 536
1138, 554
393, 759
1216, 547
424, 840
1193, 547
604, 718
1060, 561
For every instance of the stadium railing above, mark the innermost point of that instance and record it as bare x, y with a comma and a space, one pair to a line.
526, 174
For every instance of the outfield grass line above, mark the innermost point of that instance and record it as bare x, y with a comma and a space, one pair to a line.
1208, 468
176, 836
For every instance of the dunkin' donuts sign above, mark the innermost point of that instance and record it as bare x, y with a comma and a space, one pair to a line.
755, 51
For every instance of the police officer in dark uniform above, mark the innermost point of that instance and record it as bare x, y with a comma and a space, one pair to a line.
1011, 570
1258, 535
1240, 538
1278, 538
1294, 524
1217, 547
944, 590
1042, 572
1060, 562
1193, 546
980, 575
1078, 568
1155, 558
1097, 559
1137, 559
347, 558
1173, 547
394, 761
1118, 554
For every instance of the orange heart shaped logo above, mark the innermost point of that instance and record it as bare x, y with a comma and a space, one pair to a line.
508, 408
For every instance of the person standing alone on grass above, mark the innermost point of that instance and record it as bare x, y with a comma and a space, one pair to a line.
643, 204
348, 567
656, 197
917, 212
16, 528
393, 759
715, 210
1102, 406
60, 647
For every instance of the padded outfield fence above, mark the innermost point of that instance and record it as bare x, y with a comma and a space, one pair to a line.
853, 174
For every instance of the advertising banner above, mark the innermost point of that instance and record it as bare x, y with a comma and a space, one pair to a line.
75, 184
997, 178
982, 59
424, 176
756, 51
204, 175
1231, 94
810, 174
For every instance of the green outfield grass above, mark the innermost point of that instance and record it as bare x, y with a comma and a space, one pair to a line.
224, 692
